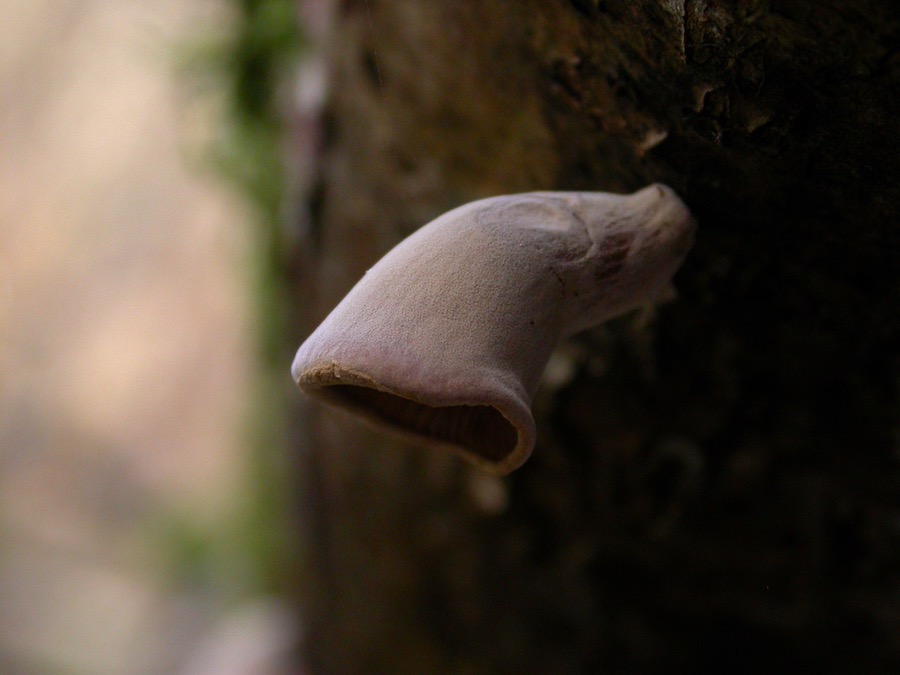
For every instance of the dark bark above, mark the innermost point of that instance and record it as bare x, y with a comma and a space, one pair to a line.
716, 491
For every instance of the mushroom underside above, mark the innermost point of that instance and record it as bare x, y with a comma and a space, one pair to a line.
481, 430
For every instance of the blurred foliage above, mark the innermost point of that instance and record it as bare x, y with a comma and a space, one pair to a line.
252, 64
245, 69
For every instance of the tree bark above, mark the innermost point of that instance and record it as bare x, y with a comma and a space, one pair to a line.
715, 490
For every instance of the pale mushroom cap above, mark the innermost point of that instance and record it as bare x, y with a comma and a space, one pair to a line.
446, 337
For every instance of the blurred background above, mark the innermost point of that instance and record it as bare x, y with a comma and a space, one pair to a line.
133, 523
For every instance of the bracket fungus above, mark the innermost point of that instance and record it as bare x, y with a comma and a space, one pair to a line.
446, 337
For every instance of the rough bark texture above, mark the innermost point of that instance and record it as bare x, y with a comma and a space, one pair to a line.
713, 491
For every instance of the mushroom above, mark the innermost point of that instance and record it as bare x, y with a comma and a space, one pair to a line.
444, 340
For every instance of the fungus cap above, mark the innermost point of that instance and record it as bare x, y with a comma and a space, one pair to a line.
444, 340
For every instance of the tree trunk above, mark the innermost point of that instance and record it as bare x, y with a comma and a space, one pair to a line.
715, 490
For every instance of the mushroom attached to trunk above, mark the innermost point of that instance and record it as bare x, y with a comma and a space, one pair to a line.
446, 337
